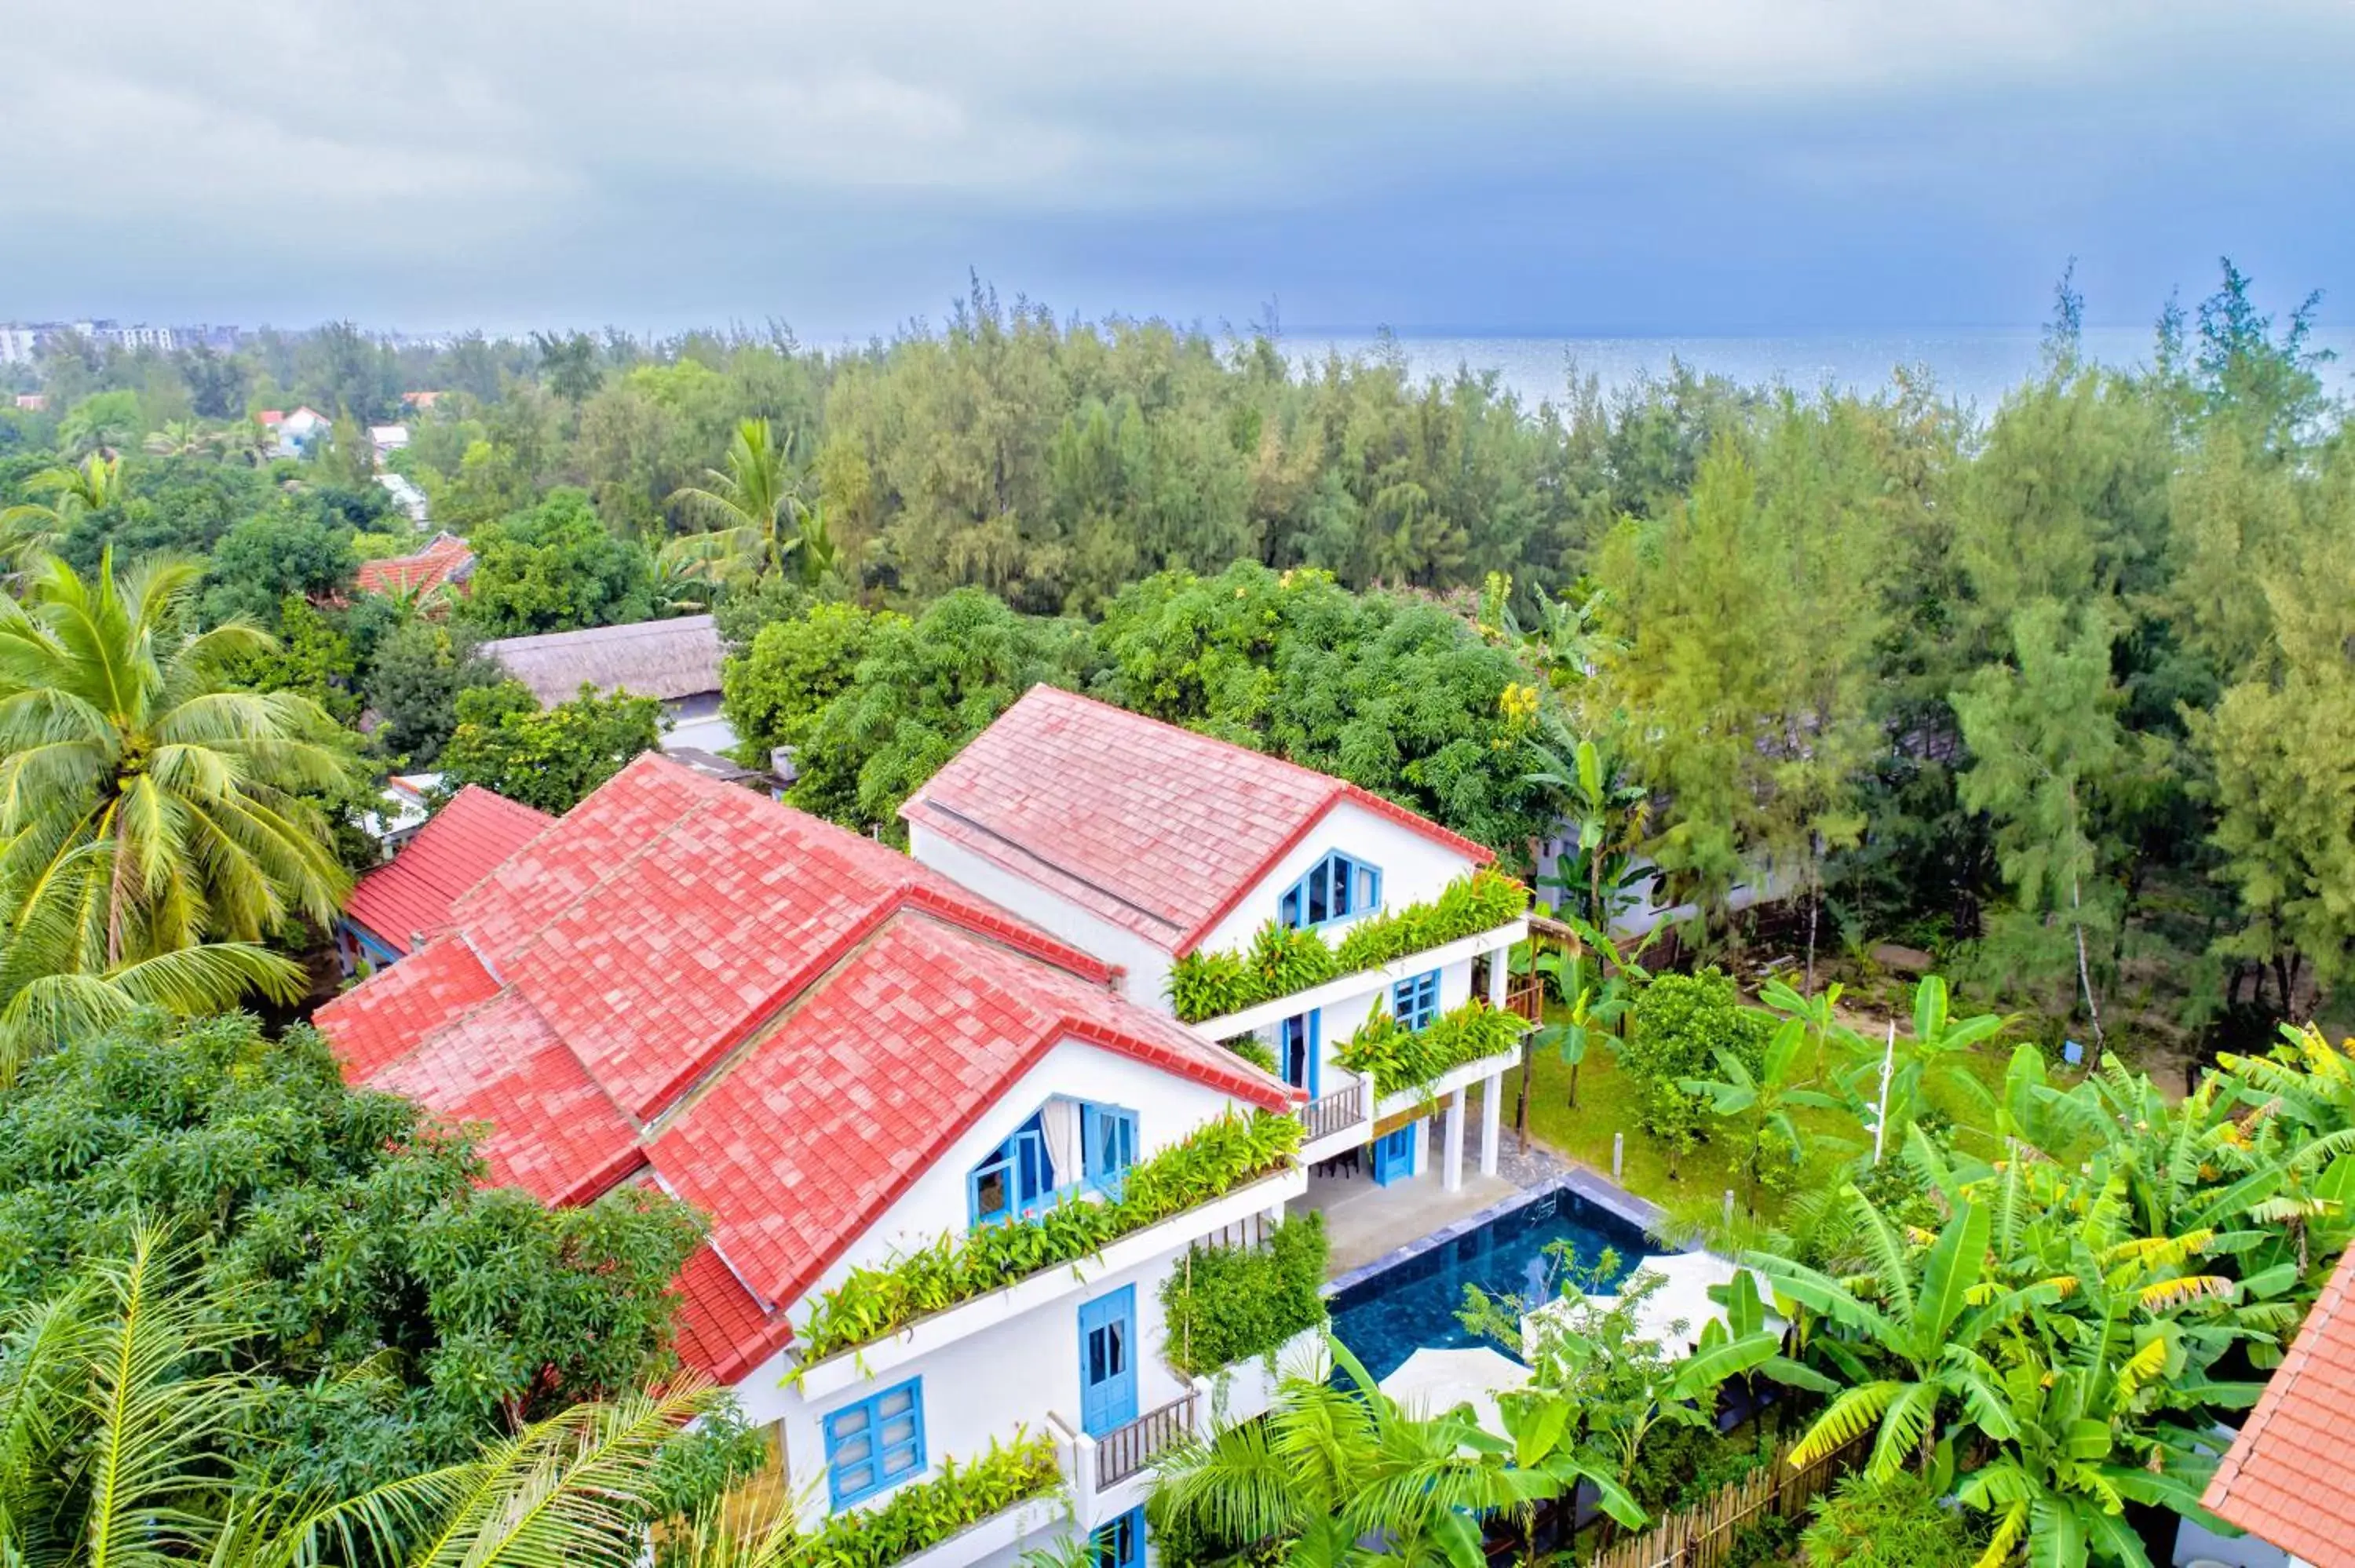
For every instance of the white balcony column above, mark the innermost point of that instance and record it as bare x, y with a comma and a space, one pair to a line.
1492, 1108
1453, 1170
1501, 964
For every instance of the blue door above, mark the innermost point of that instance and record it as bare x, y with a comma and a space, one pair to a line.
1299, 1042
1108, 1361
1121, 1543
1394, 1156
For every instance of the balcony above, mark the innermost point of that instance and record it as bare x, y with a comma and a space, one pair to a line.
1339, 1119
1126, 1451
1498, 939
878, 1357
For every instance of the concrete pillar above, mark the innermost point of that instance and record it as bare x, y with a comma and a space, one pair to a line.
1492, 1108
1422, 1139
1453, 1169
1500, 963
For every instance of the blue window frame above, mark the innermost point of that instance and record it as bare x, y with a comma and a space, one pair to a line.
1415, 1001
1299, 1041
1015, 1179
1107, 1145
1335, 888
1121, 1543
875, 1443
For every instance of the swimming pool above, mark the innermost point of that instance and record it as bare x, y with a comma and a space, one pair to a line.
1411, 1306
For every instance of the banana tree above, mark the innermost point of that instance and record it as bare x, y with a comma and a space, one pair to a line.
1606, 813
1890, 1082
1763, 1099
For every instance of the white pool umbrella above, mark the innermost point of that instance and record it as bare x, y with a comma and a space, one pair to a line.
1432, 1383
1682, 1297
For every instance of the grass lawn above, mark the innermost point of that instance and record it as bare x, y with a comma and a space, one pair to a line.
1606, 1105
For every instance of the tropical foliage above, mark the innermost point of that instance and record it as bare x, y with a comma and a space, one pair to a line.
1227, 1304
1280, 962
1401, 1058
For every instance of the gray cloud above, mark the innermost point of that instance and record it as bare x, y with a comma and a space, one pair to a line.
718, 154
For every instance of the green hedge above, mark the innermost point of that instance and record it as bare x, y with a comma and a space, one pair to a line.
1279, 961
1216, 1159
920, 1517
1228, 1304
1402, 1058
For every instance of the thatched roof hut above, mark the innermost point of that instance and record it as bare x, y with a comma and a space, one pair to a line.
665, 659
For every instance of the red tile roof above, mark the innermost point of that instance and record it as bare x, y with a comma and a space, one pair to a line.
838, 1012
798, 1127
722, 1331
1156, 829
2290, 1476
419, 573
464, 842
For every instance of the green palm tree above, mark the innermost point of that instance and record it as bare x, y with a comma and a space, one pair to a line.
755, 504
1763, 1099
1344, 1476
145, 807
178, 438
117, 1409
33, 528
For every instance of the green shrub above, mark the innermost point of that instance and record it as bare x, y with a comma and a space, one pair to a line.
1215, 1160
1228, 1304
922, 1516
1279, 961
1899, 1523
1252, 1049
1402, 1058
1680, 1023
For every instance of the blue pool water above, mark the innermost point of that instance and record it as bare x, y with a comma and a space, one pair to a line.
1387, 1318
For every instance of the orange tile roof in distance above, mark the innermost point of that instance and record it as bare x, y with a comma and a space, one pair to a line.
428, 568
785, 1018
1156, 829
464, 842
2290, 1477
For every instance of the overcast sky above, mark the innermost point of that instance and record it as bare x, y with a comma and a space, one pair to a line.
1620, 166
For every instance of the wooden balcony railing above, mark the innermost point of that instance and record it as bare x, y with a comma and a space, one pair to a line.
1342, 1110
1123, 1451
1525, 997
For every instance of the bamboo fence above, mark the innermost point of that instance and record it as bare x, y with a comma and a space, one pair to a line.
1703, 1536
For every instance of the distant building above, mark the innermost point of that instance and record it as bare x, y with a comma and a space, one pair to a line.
299, 433
405, 496
396, 906
388, 438
447, 560
19, 344
677, 661
32, 402
418, 400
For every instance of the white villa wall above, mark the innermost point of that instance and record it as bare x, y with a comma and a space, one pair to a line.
1414, 868
1144, 968
1344, 1018
1012, 1375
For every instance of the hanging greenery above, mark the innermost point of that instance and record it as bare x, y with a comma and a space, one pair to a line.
1216, 1159
1280, 962
1228, 1304
1402, 1058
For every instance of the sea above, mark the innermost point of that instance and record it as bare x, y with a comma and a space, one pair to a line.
1973, 368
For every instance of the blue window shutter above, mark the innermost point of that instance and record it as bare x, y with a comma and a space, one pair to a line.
875, 1443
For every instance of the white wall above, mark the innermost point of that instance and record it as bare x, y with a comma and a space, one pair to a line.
1144, 978
1344, 1018
1013, 1375
1414, 868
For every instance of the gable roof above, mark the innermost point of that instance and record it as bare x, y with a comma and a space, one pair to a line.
463, 843
665, 659
444, 558
785, 1020
2290, 1476
1157, 830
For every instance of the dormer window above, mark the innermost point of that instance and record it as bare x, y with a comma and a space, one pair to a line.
1335, 888
1015, 1178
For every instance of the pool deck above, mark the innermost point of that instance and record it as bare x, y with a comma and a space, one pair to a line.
1368, 1229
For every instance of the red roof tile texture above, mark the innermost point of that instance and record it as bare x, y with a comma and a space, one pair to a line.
464, 842
1156, 829
785, 1019
420, 573
2290, 1477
